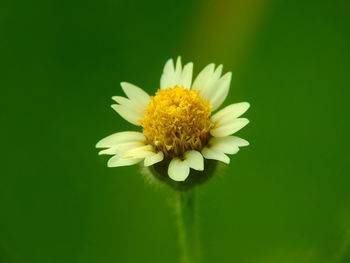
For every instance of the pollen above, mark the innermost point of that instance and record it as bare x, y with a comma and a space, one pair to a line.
177, 120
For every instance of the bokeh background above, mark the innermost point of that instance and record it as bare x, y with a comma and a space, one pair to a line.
285, 198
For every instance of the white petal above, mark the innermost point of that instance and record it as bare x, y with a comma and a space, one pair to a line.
186, 76
120, 100
109, 151
120, 137
176, 76
227, 142
140, 152
168, 72
130, 106
131, 115
171, 76
129, 103
117, 160
178, 169
136, 94
239, 141
230, 112
204, 80
209, 153
212, 86
195, 160
178, 69
121, 148
153, 159
221, 91
218, 72
223, 144
229, 127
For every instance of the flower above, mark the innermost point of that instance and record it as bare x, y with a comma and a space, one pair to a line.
178, 126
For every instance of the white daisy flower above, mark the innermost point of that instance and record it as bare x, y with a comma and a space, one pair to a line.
178, 124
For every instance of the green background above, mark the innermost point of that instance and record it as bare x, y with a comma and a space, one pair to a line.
285, 198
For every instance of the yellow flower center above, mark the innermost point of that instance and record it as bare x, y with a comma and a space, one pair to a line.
177, 120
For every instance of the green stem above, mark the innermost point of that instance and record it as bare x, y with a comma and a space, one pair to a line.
188, 227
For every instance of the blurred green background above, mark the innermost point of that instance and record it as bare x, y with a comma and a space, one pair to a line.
285, 198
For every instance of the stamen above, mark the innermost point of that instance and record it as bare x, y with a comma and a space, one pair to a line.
177, 120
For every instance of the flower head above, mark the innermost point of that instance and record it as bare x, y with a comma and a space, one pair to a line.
177, 121
178, 128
